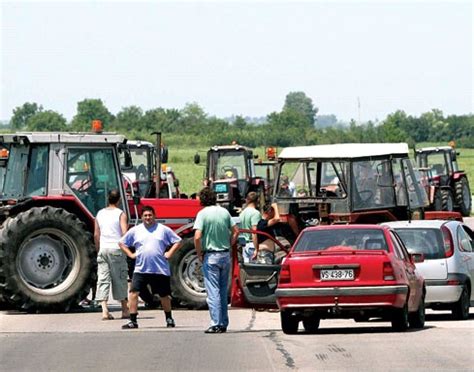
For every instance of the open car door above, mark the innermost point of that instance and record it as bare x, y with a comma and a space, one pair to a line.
254, 284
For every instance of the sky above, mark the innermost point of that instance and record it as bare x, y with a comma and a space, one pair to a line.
354, 59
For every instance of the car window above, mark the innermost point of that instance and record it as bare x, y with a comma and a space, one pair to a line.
465, 241
400, 252
423, 240
360, 239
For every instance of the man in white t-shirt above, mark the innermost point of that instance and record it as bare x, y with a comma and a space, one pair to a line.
110, 226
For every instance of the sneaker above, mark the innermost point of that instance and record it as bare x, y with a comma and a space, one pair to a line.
130, 325
213, 329
223, 329
170, 323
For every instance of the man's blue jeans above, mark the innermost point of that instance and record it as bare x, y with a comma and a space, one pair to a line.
216, 268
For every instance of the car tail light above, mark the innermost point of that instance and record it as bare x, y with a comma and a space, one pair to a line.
388, 273
285, 275
448, 242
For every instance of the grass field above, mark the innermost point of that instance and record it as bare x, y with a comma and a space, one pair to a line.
191, 175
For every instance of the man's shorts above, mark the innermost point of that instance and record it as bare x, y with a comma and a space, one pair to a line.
159, 283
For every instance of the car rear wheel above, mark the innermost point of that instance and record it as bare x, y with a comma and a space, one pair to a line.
460, 309
400, 319
311, 325
417, 319
289, 322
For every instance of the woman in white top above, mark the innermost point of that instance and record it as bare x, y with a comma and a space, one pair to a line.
110, 225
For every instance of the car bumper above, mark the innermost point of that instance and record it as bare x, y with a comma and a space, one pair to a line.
370, 296
442, 293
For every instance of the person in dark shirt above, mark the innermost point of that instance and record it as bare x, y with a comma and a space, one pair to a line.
266, 225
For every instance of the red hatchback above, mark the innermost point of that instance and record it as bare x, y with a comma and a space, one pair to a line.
350, 271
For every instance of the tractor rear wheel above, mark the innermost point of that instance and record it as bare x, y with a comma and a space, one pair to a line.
47, 260
463, 196
447, 200
187, 280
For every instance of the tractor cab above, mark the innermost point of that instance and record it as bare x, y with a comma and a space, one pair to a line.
230, 172
348, 183
142, 174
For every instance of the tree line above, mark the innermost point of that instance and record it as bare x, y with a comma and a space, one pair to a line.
296, 124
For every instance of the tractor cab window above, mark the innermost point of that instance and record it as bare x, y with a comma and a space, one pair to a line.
37, 171
311, 180
372, 184
417, 196
91, 174
229, 164
437, 163
14, 184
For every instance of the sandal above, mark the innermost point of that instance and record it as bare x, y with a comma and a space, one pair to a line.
108, 317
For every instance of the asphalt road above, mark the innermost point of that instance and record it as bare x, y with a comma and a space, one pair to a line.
81, 341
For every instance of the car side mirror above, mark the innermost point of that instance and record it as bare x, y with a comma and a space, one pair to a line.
176, 183
417, 257
197, 158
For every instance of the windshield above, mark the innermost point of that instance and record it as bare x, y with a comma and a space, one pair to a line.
360, 239
228, 164
312, 180
427, 241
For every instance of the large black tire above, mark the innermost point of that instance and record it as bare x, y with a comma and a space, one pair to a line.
417, 319
289, 323
447, 200
47, 260
460, 310
187, 281
400, 319
463, 196
311, 325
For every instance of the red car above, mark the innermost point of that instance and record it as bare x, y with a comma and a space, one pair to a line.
350, 271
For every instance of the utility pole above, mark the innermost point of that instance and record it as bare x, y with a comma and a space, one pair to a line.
358, 108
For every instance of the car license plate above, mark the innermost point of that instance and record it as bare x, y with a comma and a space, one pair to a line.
346, 274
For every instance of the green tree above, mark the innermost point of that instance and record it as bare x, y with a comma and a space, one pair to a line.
240, 122
47, 121
127, 118
88, 110
299, 102
22, 114
192, 118
160, 119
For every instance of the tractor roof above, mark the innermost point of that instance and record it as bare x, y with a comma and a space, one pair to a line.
229, 148
345, 151
62, 137
434, 149
140, 143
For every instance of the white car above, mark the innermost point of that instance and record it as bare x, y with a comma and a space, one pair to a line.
448, 266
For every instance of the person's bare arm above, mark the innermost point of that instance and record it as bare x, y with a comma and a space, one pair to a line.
255, 242
127, 251
234, 235
197, 244
96, 235
123, 223
173, 249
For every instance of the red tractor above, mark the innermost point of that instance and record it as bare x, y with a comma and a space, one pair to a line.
51, 187
449, 186
230, 171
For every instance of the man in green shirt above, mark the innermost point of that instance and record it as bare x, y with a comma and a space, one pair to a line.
215, 234
249, 219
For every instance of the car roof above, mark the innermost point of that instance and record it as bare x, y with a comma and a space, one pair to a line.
344, 151
418, 223
347, 227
